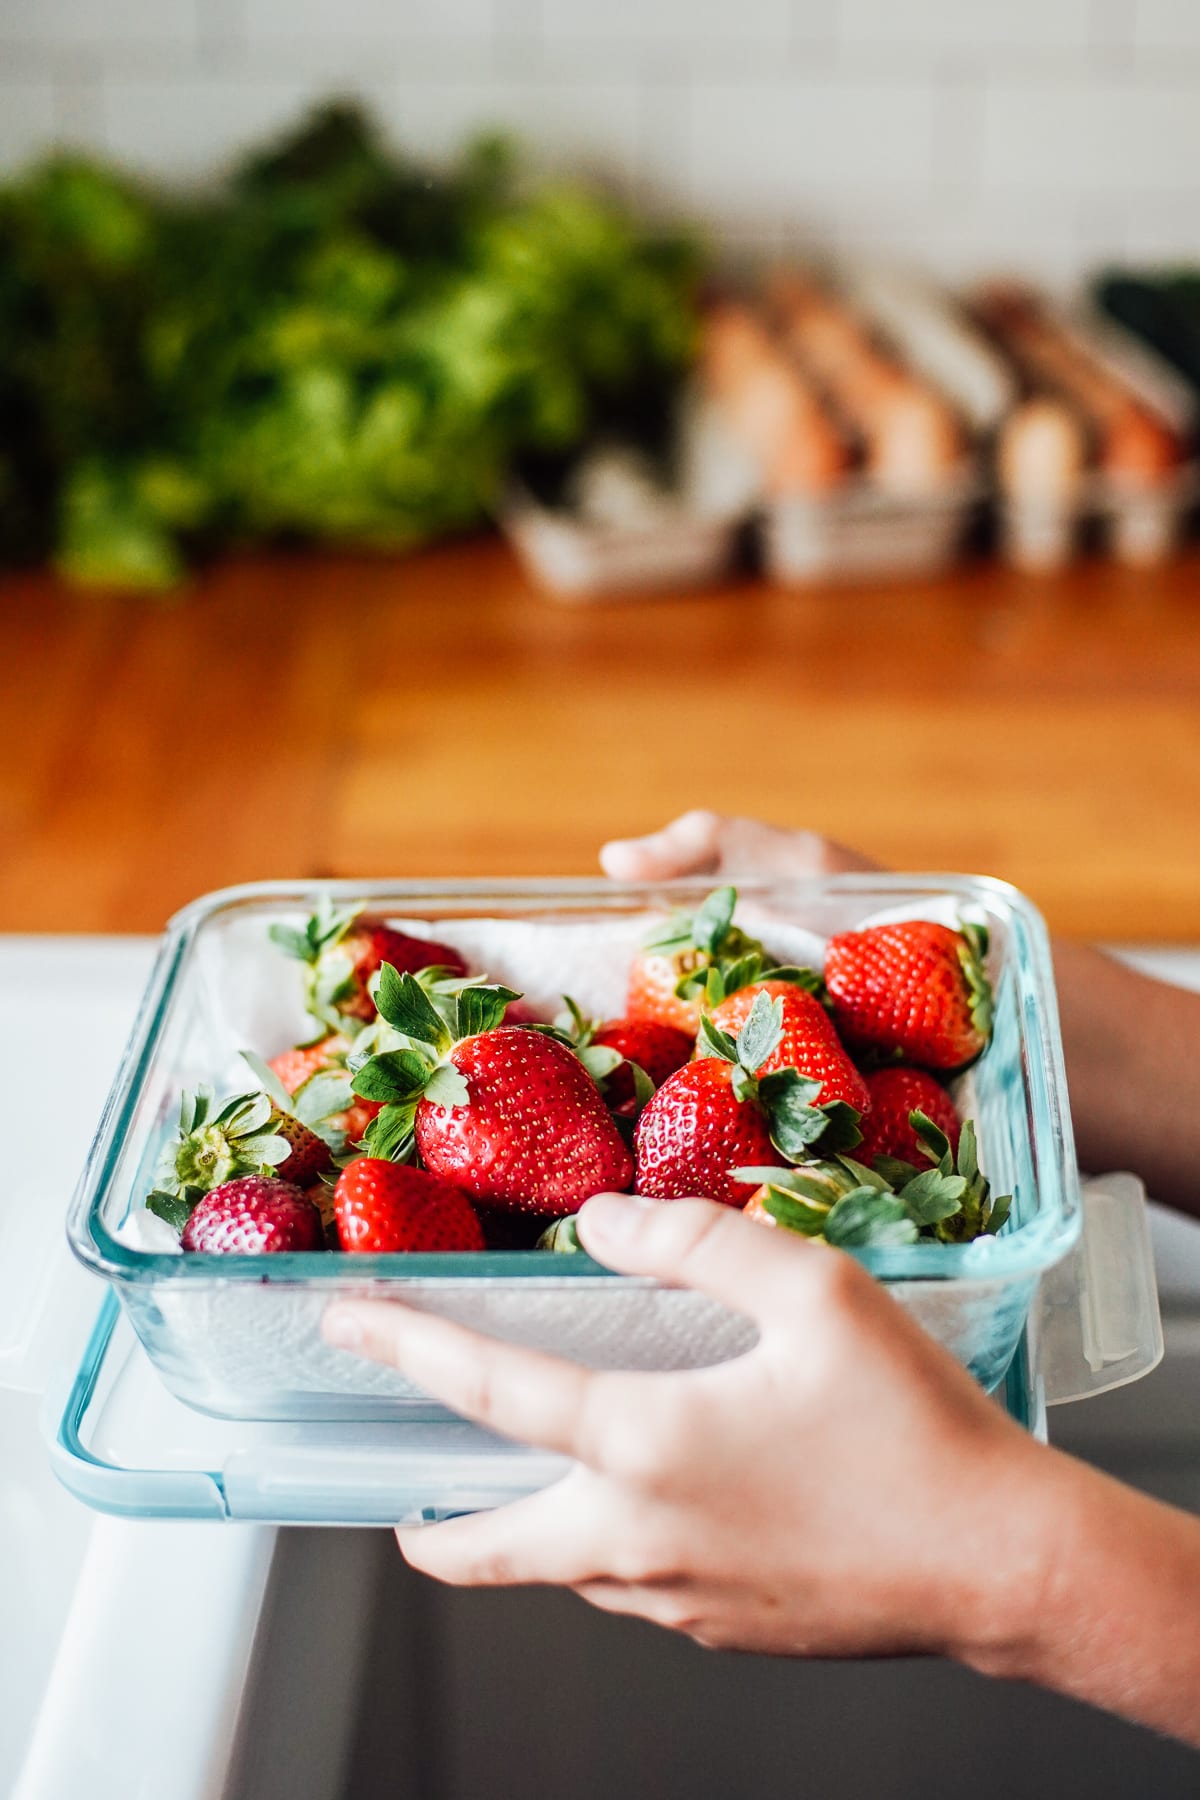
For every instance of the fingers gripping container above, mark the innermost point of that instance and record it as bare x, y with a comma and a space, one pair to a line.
239, 1336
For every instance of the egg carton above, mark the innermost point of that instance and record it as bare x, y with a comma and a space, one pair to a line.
1138, 523
864, 530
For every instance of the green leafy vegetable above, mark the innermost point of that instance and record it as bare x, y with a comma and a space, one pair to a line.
336, 345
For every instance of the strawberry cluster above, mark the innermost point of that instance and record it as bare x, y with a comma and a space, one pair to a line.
432, 1111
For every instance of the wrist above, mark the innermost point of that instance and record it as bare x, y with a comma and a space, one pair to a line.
1030, 1508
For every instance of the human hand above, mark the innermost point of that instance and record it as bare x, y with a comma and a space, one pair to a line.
842, 1489
708, 843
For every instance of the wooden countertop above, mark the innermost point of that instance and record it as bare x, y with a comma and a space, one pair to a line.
434, 716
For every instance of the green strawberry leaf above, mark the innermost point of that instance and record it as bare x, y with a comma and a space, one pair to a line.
932, 1139
761, 1032
998, 1214
390, 1133
715, 1042
406, 1006
710, 926
599, 1060
807, 1184
842, 1131
480, 1009
394, 1076
741, 973
292, 942
643, 1087
565, 1038
255, 1115
171, 1207
796, 1124
703, 983
572, 1024
968, 1152
764, 1175
894, 1172
330, 923
865, 1218
268, 1151
267, 1080
931, 1197
743, 1084
561, 1237
675, 933
972, 957
865, 1177
811, 980
324, 1094
447, 1088
333, 980
793, 1214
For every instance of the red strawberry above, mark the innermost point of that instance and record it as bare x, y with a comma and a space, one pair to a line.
294, 1067
321, 1195
808, 1041
895, 1093
249, 1134
353, 1123
532, 1131
384, 1206
327, 1056
370, 942
722, 1113
658, 1049
507, 1113
309, 1153
694, 1131
915, 988
653, 978
343, 950
519, 1012
255, 1215
683, 951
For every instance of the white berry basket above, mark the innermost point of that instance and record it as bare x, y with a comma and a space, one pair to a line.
239, 1336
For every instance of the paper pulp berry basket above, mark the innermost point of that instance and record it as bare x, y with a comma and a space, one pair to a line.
239, 1336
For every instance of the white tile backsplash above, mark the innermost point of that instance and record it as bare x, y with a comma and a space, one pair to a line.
193, 125
1168, 24
1102, 137
571, 125
765, 23
367, 23
75, 24
968, 133
28, 114
953, 25
783, 145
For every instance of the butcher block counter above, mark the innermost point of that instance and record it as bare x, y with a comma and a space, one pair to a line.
435, 716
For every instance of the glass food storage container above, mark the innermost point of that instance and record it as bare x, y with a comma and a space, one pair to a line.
239, 1336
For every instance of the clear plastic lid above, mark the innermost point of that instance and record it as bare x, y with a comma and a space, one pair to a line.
1099, 1325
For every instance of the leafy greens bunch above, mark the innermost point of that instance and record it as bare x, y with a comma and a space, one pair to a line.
333, 346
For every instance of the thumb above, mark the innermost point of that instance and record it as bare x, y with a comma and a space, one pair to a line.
698, 1244
689, 845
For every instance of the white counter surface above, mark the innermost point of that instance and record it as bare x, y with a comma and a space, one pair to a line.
123, 1646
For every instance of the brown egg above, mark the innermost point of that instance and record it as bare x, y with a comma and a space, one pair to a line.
1042, 453
1139, 447
913, 439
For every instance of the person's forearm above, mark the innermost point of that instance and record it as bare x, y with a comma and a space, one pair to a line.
1116, 1619
1133, 1068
